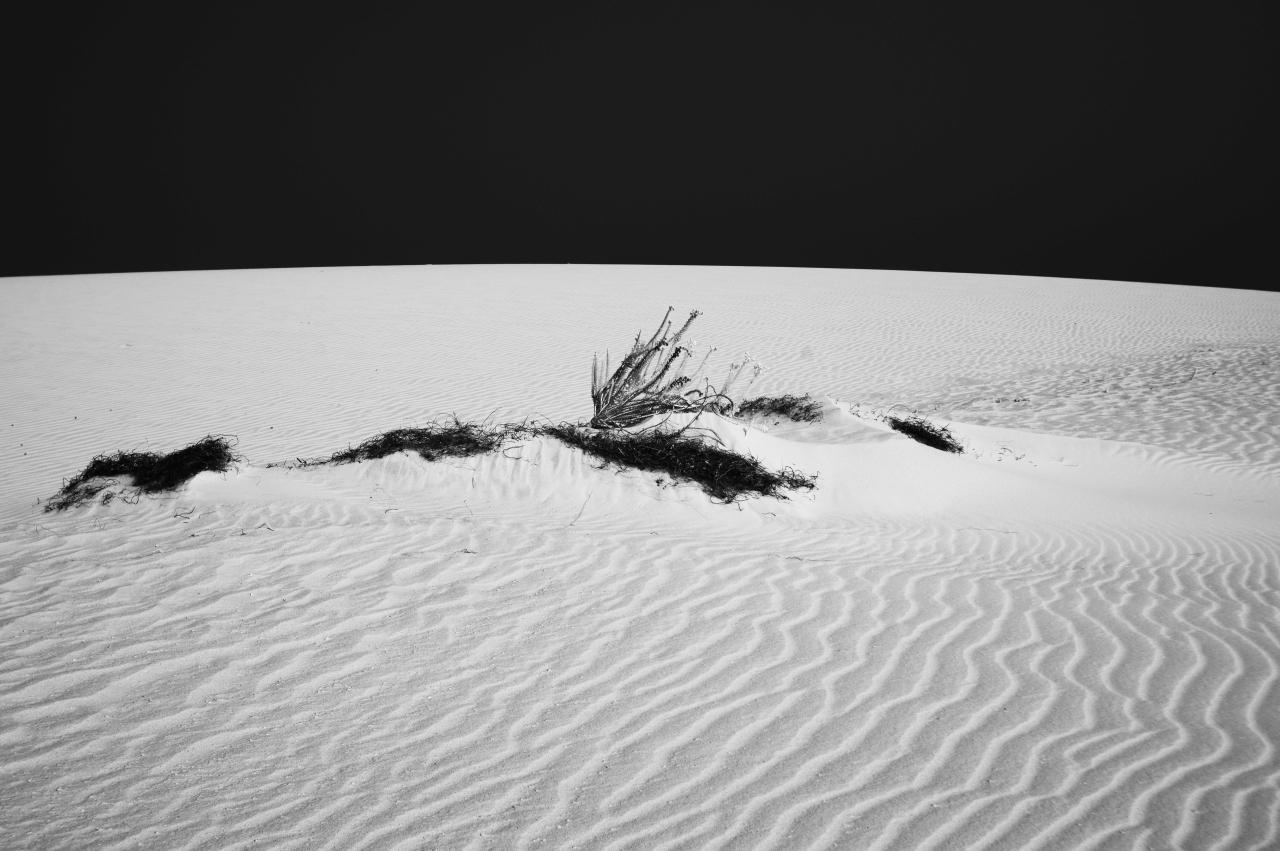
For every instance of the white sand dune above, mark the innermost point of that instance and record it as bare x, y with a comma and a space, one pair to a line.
1068, 636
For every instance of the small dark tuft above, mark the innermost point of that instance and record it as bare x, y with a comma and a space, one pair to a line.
433, 442
802, 409
923, 431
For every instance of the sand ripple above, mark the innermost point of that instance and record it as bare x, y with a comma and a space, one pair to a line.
433, 677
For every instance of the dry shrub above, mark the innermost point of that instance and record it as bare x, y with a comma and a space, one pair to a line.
652, 380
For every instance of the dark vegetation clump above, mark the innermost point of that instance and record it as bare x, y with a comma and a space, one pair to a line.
149, 471
432, 442
802, 409
724, 475
922, 431
656, 377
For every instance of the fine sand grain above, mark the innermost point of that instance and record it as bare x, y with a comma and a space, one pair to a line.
1066, 637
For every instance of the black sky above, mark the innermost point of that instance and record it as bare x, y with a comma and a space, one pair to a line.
1019, 138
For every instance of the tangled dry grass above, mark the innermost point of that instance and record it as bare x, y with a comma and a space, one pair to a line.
725, 476
652, 380
432, 442
801, 409
149, 472
923, 431
680, 454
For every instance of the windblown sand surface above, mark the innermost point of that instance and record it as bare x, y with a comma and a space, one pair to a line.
1066, 637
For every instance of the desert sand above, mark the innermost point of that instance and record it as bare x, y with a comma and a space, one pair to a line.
1066, 637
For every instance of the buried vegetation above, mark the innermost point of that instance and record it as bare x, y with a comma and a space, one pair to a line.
654, 378
433, 442
801, 409
724, 475
923, 431
150, 472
